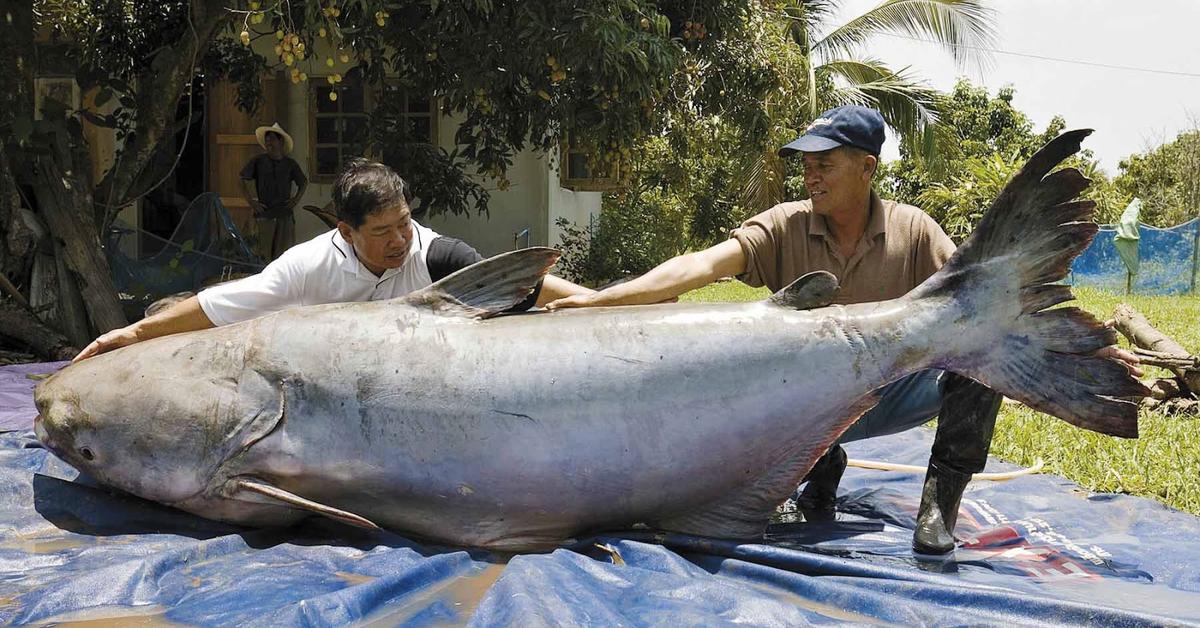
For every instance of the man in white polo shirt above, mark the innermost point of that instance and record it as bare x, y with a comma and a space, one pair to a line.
376, 252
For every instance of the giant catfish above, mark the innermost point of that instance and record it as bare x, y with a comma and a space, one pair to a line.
433, 416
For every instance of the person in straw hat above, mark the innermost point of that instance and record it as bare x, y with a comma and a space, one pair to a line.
273, 174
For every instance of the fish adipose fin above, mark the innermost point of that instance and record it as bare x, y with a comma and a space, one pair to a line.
813, 290
276, 495
488, 287
1002, 278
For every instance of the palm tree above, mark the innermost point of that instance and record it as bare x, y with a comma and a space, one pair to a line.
831, 70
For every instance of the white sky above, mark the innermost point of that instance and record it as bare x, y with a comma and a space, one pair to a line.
1130, 110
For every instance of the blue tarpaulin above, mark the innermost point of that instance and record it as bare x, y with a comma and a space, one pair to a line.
1038, 551
1165, 260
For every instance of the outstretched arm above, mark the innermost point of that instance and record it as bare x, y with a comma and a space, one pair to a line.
667, 280
554, 288
183, 316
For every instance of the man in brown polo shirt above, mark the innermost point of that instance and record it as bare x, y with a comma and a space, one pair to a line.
878, 250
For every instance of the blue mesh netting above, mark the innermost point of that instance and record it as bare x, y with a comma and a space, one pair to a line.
1166, 261
205, 248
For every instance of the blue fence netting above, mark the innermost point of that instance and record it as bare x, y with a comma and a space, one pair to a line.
1166, 259
205, 248
1037, 551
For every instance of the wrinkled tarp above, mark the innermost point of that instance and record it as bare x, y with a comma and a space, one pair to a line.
1164, 266
1038, 551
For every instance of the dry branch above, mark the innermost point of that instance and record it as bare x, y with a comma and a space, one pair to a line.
1156, 348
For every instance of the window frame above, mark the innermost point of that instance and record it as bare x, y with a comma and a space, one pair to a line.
589, 183
315, 85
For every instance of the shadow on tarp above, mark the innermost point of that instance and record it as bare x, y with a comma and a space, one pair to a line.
1037, 551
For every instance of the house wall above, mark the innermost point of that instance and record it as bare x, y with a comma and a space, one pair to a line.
533, 201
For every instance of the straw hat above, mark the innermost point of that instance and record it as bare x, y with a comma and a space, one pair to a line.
261, 134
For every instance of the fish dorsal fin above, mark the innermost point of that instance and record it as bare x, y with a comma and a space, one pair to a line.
488, 287
813, 290
274, 494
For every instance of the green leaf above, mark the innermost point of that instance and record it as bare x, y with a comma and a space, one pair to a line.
188, 246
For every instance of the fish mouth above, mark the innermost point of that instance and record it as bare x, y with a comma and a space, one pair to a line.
39, 430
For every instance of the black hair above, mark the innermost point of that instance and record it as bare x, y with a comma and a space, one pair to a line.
365, 187
859, 153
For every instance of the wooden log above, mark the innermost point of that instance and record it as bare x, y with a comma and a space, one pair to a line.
67, 210
72, 314
1134, 326
23, 326
16, 357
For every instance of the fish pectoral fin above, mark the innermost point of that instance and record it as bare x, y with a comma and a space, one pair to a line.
489, 287
813, 290
277, 495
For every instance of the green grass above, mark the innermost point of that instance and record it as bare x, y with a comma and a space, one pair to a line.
1162, 464
726, 291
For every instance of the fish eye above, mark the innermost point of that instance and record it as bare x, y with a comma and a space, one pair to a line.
87, 453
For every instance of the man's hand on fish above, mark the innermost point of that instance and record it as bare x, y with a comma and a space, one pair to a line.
114, 339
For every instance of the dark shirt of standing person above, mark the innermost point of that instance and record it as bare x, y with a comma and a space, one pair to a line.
273, 174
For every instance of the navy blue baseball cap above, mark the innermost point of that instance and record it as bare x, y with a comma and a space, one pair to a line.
850, 125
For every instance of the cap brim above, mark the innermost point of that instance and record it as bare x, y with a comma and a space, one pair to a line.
809, 144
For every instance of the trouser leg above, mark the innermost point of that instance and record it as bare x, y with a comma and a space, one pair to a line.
280, 236
960, 448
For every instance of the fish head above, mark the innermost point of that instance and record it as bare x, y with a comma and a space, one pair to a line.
156, 433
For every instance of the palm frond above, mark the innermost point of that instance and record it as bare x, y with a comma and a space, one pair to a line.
909, 106
962, 27
763, 179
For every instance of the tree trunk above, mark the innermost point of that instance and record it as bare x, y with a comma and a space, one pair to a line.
22, 326
16, 77
66, 208
158, 93
72, 313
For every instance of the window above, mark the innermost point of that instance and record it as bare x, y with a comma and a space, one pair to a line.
578, 171
417, 115
339, 127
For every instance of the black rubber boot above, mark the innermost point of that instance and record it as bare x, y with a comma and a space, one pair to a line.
939, 510
960, 449
820, 492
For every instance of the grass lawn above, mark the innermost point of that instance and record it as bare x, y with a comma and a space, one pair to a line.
1163, 464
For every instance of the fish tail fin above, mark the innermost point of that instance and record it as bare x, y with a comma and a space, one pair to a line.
1003, 276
